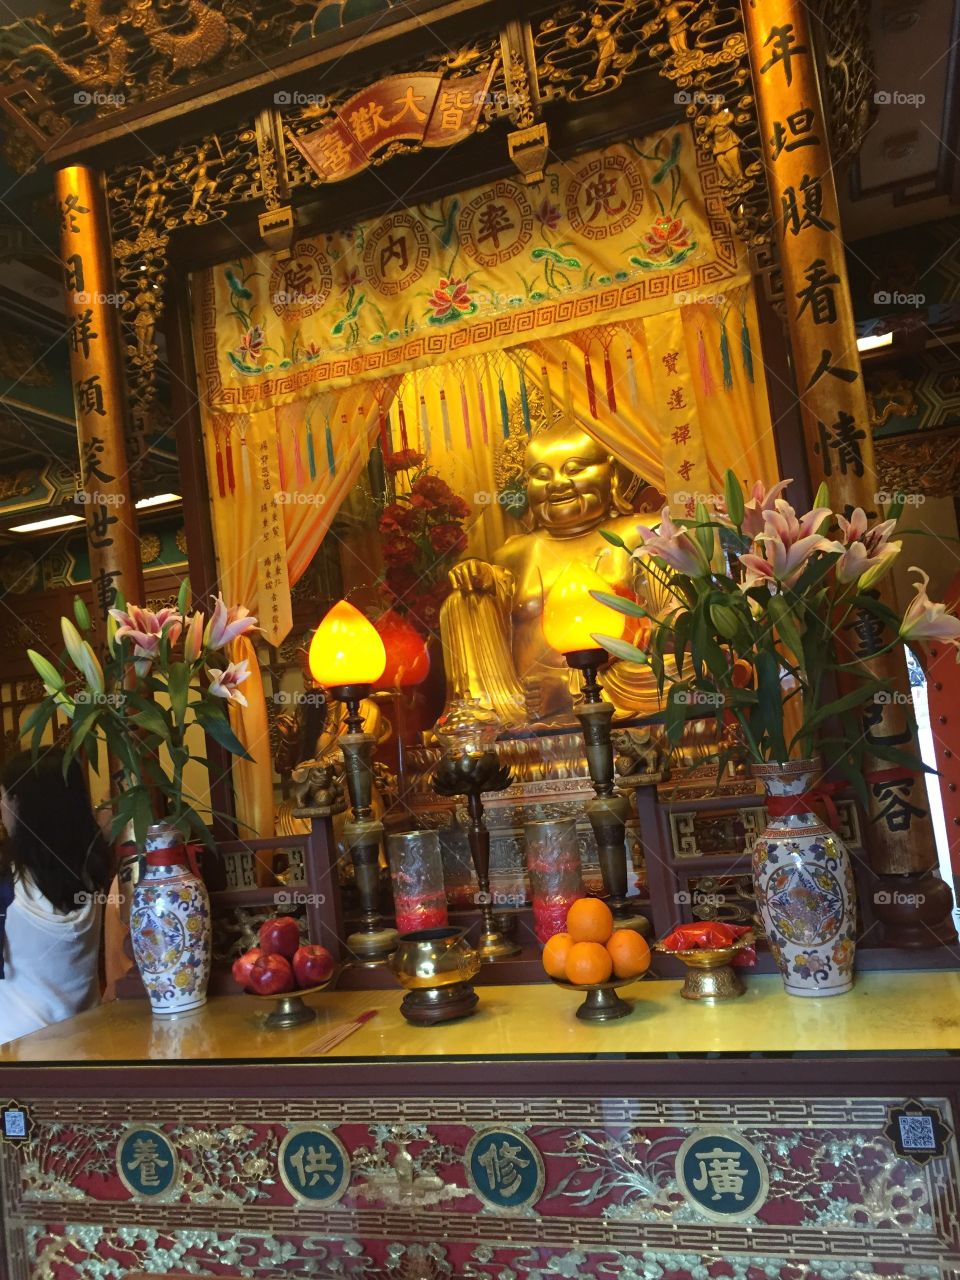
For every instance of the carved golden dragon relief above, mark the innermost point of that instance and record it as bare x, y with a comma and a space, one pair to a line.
183, 34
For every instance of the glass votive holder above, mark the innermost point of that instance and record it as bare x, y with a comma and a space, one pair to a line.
416, 872
459, 877
553, 864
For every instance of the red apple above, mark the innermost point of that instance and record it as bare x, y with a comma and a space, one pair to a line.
243, 965
280, 936
270, 976
312, 965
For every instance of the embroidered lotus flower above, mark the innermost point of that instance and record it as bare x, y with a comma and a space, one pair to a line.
786, 543
925, 619
450, 299
867, 553
675, 547
350, 280
225, 682
667, 236
250, 346
227, 623
548, 214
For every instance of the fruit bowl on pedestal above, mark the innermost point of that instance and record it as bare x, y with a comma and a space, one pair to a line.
290, 1009
602, 1003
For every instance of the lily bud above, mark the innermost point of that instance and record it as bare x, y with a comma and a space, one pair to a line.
193, 641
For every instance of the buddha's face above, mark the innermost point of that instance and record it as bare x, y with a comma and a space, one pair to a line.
569, 479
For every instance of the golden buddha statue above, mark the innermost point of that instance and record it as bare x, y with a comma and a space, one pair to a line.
493, 641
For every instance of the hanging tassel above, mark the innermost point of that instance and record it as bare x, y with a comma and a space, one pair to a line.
608, 376
311, 452
331, 460
504, 408
483, 412
221, 487
424, 425
706, 377
388, 428
465, 415
746, 351
298, 461
725, 355
547, 396
567, 393
525, 405
404, 442
228, 454
591, 389
382, 420
445, 419
632, 379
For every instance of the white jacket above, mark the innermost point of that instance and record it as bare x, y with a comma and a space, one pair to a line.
49, 962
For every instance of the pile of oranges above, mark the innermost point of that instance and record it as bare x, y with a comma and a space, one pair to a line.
591, 950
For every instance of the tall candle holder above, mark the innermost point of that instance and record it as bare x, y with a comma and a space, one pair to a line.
571, 616
468, 767
346, 656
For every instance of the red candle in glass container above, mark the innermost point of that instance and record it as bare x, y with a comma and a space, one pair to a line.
553, 863
416, 873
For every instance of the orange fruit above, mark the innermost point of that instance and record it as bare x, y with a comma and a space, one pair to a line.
555, 953
629, 953
588, 963
589, 920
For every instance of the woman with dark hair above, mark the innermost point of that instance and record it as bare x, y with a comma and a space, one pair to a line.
54, 870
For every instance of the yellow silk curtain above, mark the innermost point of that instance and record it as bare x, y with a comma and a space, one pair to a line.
311, 495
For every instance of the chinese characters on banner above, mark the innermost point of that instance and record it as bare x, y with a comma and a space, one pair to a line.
426, 109
273, 583
829, 378
686, 478
93, 343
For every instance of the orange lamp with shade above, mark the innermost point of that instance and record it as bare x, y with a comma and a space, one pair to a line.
571, 619
347, 656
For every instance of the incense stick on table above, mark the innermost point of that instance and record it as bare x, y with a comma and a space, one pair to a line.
336, 1035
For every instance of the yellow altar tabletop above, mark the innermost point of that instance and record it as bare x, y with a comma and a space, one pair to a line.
885, 1011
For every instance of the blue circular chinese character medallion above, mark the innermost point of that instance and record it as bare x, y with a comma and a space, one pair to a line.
313, 1164
504, 1169
147, 1162
722, 1174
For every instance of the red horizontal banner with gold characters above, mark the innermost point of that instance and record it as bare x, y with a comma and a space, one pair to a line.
633, 229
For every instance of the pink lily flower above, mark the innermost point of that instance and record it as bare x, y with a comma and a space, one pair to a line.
145, 628
868, 553
226, 623
925, 619
224, 683
675, 546
787, 543
760, 500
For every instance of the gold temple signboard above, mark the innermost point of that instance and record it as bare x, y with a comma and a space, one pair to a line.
423, 108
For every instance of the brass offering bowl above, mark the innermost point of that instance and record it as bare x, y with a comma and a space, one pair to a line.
436, 966
602, 1003
290, 1009
710, 974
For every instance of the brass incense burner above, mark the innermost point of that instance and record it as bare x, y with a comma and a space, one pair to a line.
436, 966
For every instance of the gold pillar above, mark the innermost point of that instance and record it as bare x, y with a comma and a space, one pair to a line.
96, 369
833, 399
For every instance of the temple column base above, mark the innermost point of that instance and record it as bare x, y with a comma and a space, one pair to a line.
915, 910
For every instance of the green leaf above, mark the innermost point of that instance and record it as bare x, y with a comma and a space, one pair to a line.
822, 497
620, 604
855, 698
770, 703
178, 687
621, 648
895, 509
785, 623
183, 596
703, 531
733, 497
152, 720
681, 633
219, 729
906, 758
613, 538
37, 721
675, 712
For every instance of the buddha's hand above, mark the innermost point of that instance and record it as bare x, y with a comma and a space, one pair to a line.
473, 577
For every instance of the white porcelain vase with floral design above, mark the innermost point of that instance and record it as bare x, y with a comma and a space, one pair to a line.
170, 925
804, 884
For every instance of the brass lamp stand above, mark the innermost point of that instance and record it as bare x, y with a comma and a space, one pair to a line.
470, 773
362, 832
608, 810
